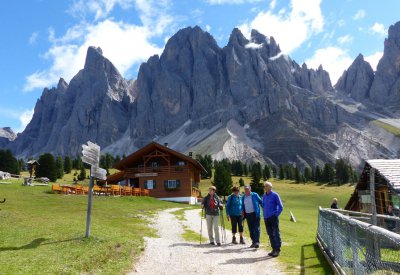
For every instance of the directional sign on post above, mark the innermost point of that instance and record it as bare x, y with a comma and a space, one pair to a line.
91, 156
98, 173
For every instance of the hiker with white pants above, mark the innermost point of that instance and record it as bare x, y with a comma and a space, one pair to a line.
212, 204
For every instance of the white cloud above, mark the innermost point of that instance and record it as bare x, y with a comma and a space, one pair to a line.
272, 4
345, 39
333, 59
126, 45
378, 28
33, 38
373, 59
341, 23
100, 8
24, 119
222, 2
303, 20
360, 14
208, 28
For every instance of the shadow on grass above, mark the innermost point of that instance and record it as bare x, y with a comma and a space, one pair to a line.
317, 256
247, 260
35, 244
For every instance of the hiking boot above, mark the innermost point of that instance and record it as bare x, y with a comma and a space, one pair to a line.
276, 253
252, 245
234, 241
219, 244
242, 240
212, 243
270, 253
256, 245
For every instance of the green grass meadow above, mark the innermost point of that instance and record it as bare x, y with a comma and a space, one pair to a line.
300, 253
43, 233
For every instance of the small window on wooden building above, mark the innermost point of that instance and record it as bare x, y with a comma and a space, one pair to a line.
181, 163
172, 184
154, 164
149, 184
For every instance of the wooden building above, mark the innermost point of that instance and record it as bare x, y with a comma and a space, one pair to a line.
166, 173
387, 187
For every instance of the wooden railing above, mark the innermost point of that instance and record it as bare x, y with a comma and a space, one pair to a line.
158, 170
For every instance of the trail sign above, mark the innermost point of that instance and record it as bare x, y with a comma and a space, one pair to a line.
91, 153
98, 173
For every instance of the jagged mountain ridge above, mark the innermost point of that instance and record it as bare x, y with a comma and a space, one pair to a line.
243, 101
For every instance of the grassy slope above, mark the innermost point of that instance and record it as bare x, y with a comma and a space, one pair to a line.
391, 129
43, 233
299, 251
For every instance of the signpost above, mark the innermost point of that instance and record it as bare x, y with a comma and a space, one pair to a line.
91, 156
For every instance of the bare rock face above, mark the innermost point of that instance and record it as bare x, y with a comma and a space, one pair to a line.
385, 89
6, 135
243, 101
357, 79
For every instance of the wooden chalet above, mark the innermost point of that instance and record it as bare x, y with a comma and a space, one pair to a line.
387, 187
166, 173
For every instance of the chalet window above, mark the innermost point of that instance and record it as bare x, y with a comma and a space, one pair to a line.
154, 164
149, 184
181, 163
172, 184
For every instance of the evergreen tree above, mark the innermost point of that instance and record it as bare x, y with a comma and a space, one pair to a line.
343, 171
117, 159
318, 174
222, 179
67, 165
307, 174
245, 170
256, 174
297, 175
241, 182
266, 172
328, 173
82, 174
274, 171
8, 163
281, 172
60, 167
47, 167
207, 162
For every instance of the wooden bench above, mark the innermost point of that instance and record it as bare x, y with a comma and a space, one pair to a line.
56, 188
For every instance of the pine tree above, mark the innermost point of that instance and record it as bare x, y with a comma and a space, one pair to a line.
60, 167
47, 167
274, 172
297, 176
82, 174
256, 185
245, 170
8, 163
67, 165
307, 174
241, 182
281, 172
266, 172
222, 179
318, 174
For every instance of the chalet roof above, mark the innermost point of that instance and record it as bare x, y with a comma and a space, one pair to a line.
389, 169
151, 147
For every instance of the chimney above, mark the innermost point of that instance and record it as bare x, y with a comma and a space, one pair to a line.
166, 144
191, 154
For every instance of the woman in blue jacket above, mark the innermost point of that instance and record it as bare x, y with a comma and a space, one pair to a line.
234, 213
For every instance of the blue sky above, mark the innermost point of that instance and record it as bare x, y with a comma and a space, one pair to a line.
43, 40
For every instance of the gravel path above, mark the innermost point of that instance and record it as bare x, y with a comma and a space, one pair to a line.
171, 254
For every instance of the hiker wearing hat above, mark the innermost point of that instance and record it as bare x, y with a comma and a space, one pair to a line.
251, 202
233, 212
212, 204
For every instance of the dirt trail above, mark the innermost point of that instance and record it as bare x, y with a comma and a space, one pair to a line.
171, 254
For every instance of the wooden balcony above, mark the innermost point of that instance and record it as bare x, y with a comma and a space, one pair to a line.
155, 171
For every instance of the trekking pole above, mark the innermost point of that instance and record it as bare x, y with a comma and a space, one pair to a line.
201, 224
223, 233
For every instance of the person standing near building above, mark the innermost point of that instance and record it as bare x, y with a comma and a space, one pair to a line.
334, 204
272, 207
251, 202
233, 213
212, 204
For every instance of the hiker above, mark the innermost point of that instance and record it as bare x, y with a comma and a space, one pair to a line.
212, 204
334, 204
251, 202
391, 224
233, 213
272, 206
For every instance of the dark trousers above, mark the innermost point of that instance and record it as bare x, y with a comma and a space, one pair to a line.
272, 225
236, 221
254, 226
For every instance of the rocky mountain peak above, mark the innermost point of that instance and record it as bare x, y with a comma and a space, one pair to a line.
394, 34
62, 85
8, 133
237, 38
357, 79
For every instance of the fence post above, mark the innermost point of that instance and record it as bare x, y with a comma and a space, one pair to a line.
372, 191
356, 260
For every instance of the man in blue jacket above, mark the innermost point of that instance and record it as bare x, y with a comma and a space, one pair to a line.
272, 207
251, 210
